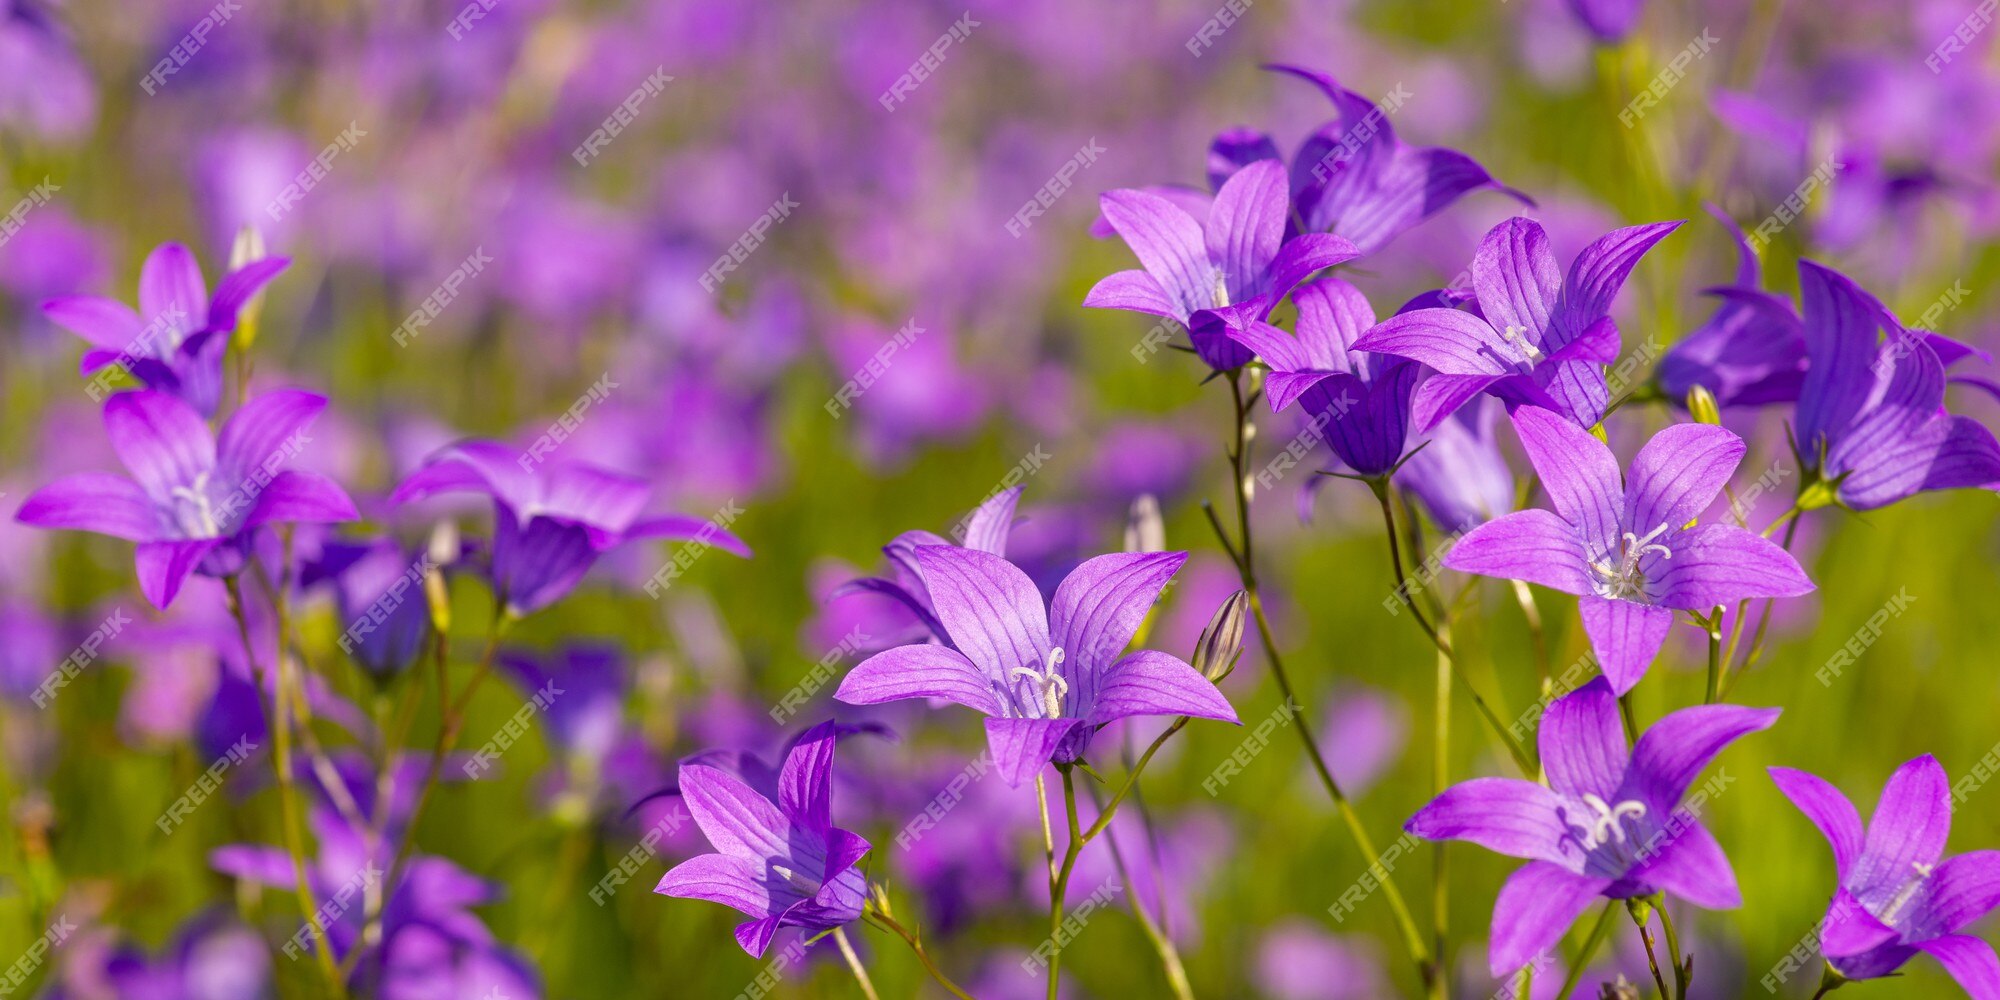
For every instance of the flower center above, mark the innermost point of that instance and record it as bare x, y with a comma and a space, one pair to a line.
797, 881
1607, 826
1518, 335
192, 509
1618, 573
1903, 896
1048, 685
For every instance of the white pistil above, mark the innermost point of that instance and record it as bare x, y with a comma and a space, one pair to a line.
1907, 893
1519, 335
204, 525
1607, 824
1625, 579
797, 881
1221, 290
1049, 685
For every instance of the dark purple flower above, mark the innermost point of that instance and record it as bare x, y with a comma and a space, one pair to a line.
1609, 20
378, 593
1609, 824
1047, 676
784, 862
1898, 894
1362, 401
194, 496
176, 340
1537, 338
1872, 428
1626, 549
1354, 178
985, 529
1215, 274
1750, 352
552, 520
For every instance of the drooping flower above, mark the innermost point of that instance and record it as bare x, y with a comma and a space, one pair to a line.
985, 529
1537, 337
782, 862
1871, 420
194, 497
1627, 549
1750, 352
1360, 400
1045, 676
1609, 824
1216, 274
1897, 893
552, 520
176, 340
1354, 178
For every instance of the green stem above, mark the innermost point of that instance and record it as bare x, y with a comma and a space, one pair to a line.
1590, 945
1652, 960
1683, 975
888, 923
1060, 887
1713, 627
1170, 956
854, 962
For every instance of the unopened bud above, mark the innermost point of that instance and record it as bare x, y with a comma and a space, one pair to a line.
1144, 531
1703, 407
248, 248
1220, 643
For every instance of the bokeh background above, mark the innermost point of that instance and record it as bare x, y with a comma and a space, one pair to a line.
463, 139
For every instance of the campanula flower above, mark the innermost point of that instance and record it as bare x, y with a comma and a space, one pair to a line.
175, 341
1872, 428
378, 593
553, 519
1459, 473
1538, 337
985, 529
782, 862
1750, 352
1609, 21
1361, 400
1046, 675
1898, 894
1609, 823
1354, 178
194, 496
1629, 550
1216, 274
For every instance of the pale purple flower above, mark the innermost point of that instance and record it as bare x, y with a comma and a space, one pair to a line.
985, 529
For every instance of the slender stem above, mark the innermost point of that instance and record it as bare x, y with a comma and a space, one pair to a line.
1652, 960
854, 962
1048, 832
1170, 957
1590, 945
1060, 887
1246, 568
1544, 670
1440, 779
888, 923
1683, 975
1763, 622
1714, 629
277, 721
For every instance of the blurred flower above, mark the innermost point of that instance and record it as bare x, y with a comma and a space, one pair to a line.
378, 593
1750, 351
1608, 824
1458, 472
1625, 549
1298, 961
45, 87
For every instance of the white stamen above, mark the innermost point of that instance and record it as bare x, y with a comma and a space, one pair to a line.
1905, 894
796, 880
1049, 686
1607, 826
1221, 290
204, 525
1519, 335
1624, 579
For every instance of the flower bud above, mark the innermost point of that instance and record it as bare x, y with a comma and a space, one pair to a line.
1703, 407
248, 248
441, 551
1222, 641
1144, 531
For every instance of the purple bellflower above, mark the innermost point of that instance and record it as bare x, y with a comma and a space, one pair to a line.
1750, 352
176, 340
1045, 676
1354, 178
1630, 550
1219, 274
1898, 895
552, 520
1872, 428
985, 529
784, 862
194, 497
1609, 824
1361, 400
1609, 21
378, 591
1537, 338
